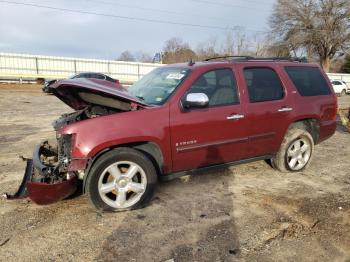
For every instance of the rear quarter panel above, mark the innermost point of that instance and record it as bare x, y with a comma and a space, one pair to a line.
322, 108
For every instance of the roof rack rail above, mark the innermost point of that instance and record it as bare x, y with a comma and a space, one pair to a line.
250, 58
230, 56
290, 59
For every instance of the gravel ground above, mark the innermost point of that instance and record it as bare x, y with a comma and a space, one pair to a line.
243, 213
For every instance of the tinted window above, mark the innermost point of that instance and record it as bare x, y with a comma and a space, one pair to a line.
263, 84
337, 83
84, 76
97, 76
110, 79
309, 81
219, 85
76, 76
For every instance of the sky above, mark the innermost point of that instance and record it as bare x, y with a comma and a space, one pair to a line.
134, 25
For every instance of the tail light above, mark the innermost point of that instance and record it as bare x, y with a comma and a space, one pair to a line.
334, 116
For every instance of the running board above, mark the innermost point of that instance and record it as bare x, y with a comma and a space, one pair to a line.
213, 167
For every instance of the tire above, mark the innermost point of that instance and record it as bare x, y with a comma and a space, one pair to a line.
343, 92
289, 150
121, 179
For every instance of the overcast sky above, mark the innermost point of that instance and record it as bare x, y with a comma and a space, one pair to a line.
42, 31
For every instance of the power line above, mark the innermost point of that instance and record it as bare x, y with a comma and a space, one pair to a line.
229, 5
240, 6
144, 19
159, 10
249, 1
208, 2
123, 17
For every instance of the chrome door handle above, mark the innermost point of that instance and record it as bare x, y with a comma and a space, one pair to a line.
285, 109
235, 117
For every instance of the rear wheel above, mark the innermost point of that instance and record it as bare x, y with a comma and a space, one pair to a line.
122, 179
295, 152
343, 92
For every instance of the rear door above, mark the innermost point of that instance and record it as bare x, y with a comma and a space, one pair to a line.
212, 135
269, 108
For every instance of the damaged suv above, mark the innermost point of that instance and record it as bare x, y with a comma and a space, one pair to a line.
179, 119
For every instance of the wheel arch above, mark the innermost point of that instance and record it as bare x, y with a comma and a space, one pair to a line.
150, 149
312, 125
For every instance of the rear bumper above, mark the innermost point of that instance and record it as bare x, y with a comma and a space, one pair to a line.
327, 129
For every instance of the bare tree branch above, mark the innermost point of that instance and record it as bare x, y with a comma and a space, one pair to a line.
321, 27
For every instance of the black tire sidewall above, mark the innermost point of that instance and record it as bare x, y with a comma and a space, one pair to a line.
120, 154
303, 135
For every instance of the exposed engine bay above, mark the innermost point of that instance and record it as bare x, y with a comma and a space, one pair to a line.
54, 159
86, 113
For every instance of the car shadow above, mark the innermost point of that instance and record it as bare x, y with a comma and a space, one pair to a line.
341, 129
189, 219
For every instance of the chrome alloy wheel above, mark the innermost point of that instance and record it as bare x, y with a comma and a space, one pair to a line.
298, 154
122, 184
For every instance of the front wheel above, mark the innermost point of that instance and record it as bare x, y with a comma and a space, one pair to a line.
343, 92
121, 179
295, 152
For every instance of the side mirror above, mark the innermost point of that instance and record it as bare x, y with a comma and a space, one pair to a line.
195, 100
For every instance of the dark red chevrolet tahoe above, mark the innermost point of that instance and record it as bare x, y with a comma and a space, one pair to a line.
178, 119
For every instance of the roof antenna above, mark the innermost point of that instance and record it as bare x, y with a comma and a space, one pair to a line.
191, 62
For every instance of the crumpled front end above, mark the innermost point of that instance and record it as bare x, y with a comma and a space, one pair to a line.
46, 179
52, 173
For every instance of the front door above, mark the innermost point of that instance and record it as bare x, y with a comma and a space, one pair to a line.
216, 134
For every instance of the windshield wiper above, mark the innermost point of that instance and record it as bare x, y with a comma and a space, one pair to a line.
141, 98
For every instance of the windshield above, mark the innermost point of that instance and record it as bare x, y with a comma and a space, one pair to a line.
155, 87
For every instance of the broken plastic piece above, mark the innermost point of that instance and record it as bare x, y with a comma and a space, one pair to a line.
22, 190
45, 194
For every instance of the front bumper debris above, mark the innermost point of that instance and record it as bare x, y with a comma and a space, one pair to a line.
45, 194
22, 190
42, 181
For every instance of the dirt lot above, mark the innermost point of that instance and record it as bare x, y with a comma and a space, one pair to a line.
246, 213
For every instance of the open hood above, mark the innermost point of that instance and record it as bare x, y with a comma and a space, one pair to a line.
80, 93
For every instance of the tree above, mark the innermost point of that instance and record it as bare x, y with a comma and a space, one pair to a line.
207, 49
336, 65
317, 27
346, 66
126, 56
143, 57
236, 42
278, 50
176, 50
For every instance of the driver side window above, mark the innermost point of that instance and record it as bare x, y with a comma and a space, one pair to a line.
219, 85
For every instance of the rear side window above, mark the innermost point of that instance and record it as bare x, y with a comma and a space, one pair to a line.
98, 76
309, 81
263, 84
